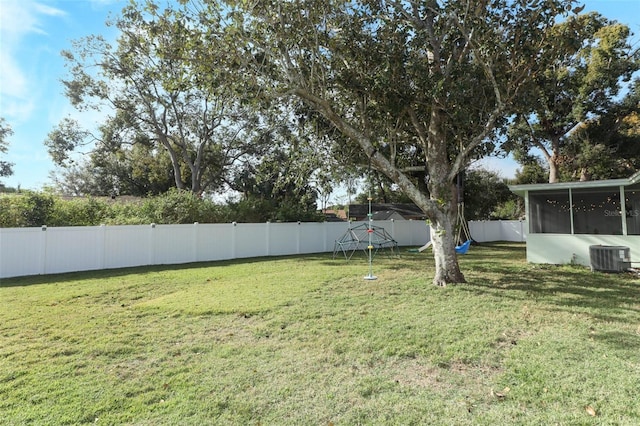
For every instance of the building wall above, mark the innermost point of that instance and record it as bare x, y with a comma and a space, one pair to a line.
565, 249
568, 218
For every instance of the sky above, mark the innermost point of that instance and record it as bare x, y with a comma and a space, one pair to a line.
32, 101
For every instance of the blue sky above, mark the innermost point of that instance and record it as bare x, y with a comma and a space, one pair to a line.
32, 34
32, 101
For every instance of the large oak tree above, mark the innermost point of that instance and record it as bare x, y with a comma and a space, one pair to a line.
606, 146
157, 97
583, 78
413, 85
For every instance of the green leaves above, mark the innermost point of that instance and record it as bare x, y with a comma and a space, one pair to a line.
64, 139
5, 132
584, 60
171, 81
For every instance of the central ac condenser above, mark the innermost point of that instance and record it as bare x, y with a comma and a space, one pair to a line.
609, 258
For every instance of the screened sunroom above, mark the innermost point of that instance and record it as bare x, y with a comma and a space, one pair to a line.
565, 219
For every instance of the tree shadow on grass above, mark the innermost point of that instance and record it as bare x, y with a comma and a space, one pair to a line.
612, 301
609, 297
621, 341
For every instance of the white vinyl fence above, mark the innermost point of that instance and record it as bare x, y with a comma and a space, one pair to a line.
38, 251
498, 230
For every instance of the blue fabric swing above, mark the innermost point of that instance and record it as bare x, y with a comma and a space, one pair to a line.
463, 248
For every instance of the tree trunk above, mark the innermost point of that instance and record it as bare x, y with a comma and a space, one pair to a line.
447, 268
175, 161
442, 232
554, 160
552, 156
444, 197
553, 169
584, 175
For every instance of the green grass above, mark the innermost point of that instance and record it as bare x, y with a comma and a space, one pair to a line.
306, 340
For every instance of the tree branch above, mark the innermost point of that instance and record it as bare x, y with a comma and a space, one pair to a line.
379, 161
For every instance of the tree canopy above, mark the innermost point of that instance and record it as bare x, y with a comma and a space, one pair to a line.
159, 99
408, 85
139, 170
606, 146
584, 75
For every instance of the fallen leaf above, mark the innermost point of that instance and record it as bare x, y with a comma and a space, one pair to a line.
499, 395
590, 411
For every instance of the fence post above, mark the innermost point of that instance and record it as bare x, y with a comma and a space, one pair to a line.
151, 240
393, 229
324, 236
195, 242
233, 239
43, 250
268, 237
102, 243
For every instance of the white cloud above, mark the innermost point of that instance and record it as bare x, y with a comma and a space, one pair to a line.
18, 20
18, 111
21, 17
15, 21
48, 10
13, 80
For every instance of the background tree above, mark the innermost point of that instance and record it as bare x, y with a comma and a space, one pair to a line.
606, 146
158, 98
140, 170
431, 80
381, 189
5, 133
583, 77
277, 188
484, 193
531, 171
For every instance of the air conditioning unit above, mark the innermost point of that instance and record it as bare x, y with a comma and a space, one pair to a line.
609, 258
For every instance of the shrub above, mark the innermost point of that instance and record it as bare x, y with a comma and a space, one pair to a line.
176, 206
79, 212
26, 209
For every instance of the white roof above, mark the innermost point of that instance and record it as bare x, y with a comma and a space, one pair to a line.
521, 189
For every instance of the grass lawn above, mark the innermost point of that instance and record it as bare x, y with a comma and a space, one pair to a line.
307, 341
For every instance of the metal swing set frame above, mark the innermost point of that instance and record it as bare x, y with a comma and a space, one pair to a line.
363, 236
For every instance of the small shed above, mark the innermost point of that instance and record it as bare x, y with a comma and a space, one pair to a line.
565, 219
387, 215
386, 211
